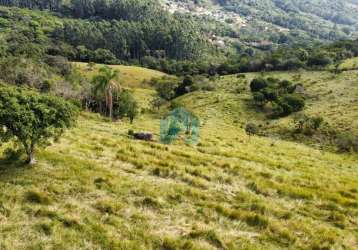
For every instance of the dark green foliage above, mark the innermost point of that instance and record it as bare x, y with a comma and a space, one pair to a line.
185, 86
32, 119
279, 93
307, 125
291, 103
259, 99
258, 84
125, 106
115, 32
140, 32
104, 56
166, 87
319, 59
251, 129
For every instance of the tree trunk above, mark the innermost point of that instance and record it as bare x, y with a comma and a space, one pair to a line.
110, 104
100, 107
31, 156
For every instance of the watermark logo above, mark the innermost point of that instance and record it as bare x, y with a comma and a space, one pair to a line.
180, 123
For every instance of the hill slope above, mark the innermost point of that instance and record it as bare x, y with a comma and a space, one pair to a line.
323, 19
97, 188
131, 76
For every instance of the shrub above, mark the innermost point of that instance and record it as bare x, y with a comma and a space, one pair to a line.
251, 129
130, 132
185, 86
319, 59
166, 87
259, 99
104, 56
307, 125
258, 84
295, 102
279, 93
60, 64
158, 102
347, 142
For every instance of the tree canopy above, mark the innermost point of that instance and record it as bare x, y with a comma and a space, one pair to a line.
31, 119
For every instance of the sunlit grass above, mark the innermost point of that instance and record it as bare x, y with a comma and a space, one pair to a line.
99, 189
130, 76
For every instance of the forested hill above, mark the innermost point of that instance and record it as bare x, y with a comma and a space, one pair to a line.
181, 37
128, 29
280, 20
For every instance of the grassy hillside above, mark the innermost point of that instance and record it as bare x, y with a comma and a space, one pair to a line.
130, 76
99, 189
330, 96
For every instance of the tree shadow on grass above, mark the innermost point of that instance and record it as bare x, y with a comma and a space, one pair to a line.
12, 168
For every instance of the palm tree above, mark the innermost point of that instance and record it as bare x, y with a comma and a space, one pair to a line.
104, 85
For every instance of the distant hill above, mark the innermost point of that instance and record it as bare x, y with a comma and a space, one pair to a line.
279, 20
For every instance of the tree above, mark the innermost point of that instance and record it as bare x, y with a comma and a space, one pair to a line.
158, 102
105, 84
32, 119
166, 87
126, 106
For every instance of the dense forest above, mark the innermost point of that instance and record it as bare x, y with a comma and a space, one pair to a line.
325, 19
142, 33
127, 29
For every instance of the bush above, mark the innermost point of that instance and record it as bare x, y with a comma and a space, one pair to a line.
347, 142
130, 132
251, 129
258, 84
294, 102
279, 93
259, 99
307, 125
166, 87
104, 56
60, 64
319, 59
185, 86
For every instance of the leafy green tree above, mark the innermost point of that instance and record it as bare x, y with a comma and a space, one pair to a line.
166, 87
105, 83
126, 106
32, 119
